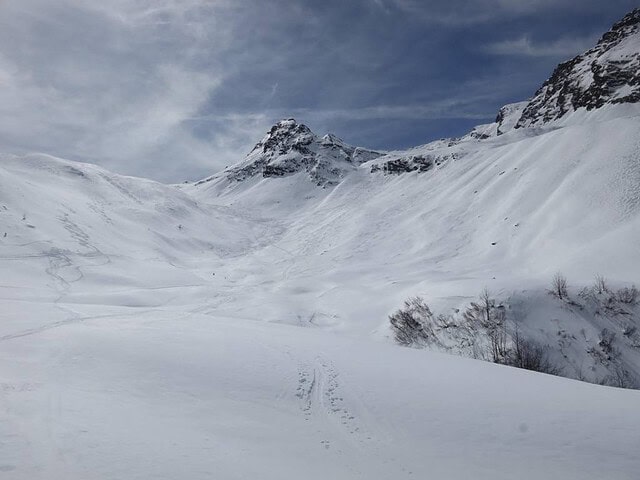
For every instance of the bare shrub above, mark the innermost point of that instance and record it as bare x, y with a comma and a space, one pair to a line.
529, 355
619, 377
559, 286
600, 284
485, 314
628, 295
444, 322
412, 324
607, 338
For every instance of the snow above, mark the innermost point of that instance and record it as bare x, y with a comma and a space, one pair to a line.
509, 116
161, 393
239, 329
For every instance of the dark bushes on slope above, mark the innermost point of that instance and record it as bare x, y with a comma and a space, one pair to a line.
412, 324
600, 285
485, 315
628, 295
559, 286
483, 328
529, 355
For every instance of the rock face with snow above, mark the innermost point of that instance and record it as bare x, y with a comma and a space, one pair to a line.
396, 165
508, 117
291, 147
609, 73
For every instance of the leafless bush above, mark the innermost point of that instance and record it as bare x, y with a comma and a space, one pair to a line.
485, 314
607, 337
412, 324
444, 322
559, 286
619, 377
600, 285
479, 313
628, 295
529, 355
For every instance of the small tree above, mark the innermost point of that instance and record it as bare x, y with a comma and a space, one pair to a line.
559, 286
412, 324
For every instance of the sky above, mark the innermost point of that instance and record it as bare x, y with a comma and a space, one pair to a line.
175, 90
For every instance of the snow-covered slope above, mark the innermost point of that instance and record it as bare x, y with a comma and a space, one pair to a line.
123, 355
164, 393
552, 185
238, 327
77, 232
504, 213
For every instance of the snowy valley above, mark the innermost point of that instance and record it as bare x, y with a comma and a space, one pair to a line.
238, 327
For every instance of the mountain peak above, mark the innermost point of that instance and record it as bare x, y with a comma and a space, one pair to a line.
631, 19
609, 73
288, 125
284, 136
290, 147
287, 121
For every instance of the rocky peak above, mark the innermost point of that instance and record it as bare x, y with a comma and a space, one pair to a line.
285, 136
291, 147
609, 73
628, 25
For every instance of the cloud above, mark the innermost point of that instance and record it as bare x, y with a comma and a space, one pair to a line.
444, 109
524, 46
469, 12
93, 81
117, 83
176, 89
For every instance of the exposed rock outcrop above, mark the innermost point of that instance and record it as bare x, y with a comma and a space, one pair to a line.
609, 73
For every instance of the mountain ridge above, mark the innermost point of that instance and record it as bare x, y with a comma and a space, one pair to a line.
607, 74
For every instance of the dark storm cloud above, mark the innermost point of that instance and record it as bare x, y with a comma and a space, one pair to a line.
175, 89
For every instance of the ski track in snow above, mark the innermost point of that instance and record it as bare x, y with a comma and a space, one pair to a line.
320, 394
